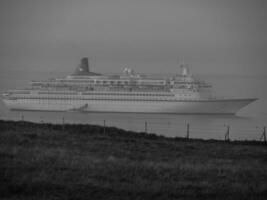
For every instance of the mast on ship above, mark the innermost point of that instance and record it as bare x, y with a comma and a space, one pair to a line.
184, 67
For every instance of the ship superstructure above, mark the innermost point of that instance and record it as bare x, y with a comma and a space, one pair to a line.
129, 92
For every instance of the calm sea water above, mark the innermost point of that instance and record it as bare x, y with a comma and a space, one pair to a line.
247, 124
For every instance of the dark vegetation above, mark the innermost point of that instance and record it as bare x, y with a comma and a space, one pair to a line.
45, 161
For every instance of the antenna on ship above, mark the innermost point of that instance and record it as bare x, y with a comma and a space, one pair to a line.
184, 67
182, 61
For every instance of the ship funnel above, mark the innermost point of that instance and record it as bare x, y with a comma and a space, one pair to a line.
83, 68
84, 65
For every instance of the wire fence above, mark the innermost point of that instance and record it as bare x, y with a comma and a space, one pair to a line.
186, 129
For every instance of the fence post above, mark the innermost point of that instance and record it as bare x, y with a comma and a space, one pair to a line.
187, 130
145, 127
104, 126
63, 123
263, 136
226, 137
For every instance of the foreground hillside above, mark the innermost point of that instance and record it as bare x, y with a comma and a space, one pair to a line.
44, 161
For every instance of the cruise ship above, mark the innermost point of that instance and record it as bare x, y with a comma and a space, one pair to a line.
86, 91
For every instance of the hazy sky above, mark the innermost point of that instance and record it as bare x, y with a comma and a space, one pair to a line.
214, 36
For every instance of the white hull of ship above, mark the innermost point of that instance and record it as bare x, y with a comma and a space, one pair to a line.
216, 106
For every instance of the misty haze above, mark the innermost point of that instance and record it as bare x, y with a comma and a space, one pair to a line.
188, 75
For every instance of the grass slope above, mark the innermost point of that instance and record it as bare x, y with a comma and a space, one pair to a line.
43, 161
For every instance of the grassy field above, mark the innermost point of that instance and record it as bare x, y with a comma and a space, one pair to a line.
44, 161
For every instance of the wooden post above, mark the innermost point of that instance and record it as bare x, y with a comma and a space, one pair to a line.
226, 137
187, 130
145, 127
63, 123
263, 136
104, 126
